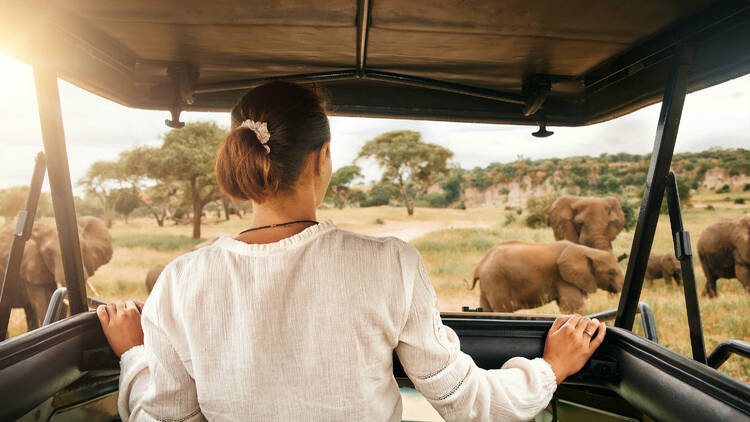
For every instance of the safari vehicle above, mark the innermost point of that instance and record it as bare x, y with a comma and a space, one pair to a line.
531, 63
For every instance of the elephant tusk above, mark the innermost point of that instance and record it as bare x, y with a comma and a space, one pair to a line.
91, 286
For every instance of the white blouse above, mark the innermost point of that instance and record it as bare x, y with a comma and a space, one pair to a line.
304, 329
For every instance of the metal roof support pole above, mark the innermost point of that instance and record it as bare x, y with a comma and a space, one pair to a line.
661, 160
53, 137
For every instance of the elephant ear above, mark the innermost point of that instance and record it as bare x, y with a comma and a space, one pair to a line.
576, 267
616, 218
560, 218
96, 243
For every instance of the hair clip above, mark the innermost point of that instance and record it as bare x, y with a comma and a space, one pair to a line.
261, 132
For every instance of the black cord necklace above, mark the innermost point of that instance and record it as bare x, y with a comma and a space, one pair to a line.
289, 223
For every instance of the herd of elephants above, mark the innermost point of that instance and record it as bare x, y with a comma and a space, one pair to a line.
512, 275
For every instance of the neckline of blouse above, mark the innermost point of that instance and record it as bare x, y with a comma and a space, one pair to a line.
232, 244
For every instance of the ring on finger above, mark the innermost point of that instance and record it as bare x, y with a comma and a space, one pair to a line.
589, 333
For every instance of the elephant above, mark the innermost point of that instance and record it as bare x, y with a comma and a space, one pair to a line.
155, 271
724, 251
517, 275
589, 221
152, 275
41, 267
665, 266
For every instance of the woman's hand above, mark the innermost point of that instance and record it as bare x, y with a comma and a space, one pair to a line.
570, 344
121, 323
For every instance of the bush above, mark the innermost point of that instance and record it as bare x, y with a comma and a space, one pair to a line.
630, 210
536, 221
510, 218
378, 195
538, 209
746, 187
739, 201
436, 199
710, 207
723, 189
461, 206
379, 221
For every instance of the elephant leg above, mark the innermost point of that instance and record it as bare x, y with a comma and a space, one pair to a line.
668, 279
710, 289
743, 275
570, 298
32, 319
484, 303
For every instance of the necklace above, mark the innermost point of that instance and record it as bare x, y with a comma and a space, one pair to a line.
289, 223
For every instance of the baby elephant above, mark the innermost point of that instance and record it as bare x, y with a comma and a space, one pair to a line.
519, 275
665, 266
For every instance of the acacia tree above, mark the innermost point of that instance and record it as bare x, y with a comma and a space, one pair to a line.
338, 188
128, 201
103, 180
407, 161
188, 155
143, 169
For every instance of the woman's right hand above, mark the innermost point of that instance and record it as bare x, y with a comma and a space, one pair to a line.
569, 345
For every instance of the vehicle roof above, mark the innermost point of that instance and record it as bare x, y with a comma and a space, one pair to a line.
475, 60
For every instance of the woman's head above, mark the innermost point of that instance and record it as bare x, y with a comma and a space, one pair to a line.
251, 165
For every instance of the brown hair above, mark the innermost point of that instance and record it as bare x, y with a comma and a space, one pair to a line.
297, 124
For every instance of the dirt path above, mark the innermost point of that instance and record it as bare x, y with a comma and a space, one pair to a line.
408, 231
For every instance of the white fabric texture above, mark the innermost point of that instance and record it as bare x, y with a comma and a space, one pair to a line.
304, 329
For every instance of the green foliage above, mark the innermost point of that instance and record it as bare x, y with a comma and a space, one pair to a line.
723, 189
746, 187
537, 208
535, 221
159, 242
510, 218
127, 201
436, 199
710, 207
407, 161
630, 210
378, 195
338, 188
739, 200
12, 200
379, 221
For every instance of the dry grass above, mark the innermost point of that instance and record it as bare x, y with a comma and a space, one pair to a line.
450, 256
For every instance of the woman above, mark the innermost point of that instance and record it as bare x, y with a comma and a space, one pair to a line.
296, 320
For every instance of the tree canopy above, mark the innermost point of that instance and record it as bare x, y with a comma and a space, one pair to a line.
341, 179
408, 161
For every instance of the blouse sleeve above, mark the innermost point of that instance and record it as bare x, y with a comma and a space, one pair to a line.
154, 383
450, 380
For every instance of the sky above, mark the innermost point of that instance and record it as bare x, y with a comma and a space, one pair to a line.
98, 129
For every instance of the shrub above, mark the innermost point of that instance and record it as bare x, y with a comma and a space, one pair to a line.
723, 189
739, 201
630, 210
538, 208
379, 221
536, 221
746, 187
435, 199
461, 206
510, 218
710, 207
378, 195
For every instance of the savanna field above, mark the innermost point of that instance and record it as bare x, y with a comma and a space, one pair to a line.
452, 241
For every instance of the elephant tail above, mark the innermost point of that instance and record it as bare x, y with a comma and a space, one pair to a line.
473, 283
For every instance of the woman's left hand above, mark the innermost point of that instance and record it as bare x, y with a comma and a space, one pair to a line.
121, 323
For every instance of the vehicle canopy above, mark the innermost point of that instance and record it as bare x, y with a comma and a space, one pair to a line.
567, 63
522, 62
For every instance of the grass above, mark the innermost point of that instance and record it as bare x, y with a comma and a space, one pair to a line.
159, 242
450, 256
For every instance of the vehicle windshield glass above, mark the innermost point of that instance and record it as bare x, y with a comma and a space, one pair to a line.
477, 186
